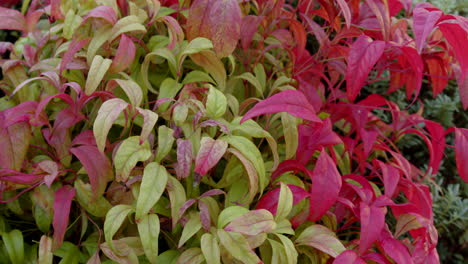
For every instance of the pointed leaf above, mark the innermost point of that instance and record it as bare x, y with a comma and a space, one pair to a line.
14, 245
152, 187
87, 199
209, 154
192, 226
216, 103
114, 219
11, 19
461, 152
184, 158
130, 152
237, 247
177, 198
321, 238
96, 73
124, 56
132, 90
14, 143
252, 223
148, 229
165, 141
210, 249
457, 37
149, 121
372, 224
106, 116
45, 250
62, 205
424, 22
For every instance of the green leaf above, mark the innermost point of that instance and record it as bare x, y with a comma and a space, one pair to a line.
96, 73
191, 256
14, 245
132, 90
97, 207
164, 53
252, 223
321, 238
290, 250
210, 248
192, 226
152, 187
127, 24
260, 75
121, 253
252, 80
278, 252
165, 142
169, 89
69, 253
196, 45
71, 23
102, 35
251, 152
230, 213
169, 257
197, 76
237, 247
216, 103
149, 120
114, 220
148, 228
45, 250
129, 153
285, 202
208, 60
291, 135
177, 197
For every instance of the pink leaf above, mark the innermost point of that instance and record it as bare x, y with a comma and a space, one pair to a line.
290, 101
14, 142
382, 13
457, 37
414, 78
391, 177
437, 135
423, 24
368, 140
396, 250
124, 56
97, 166
363, 55
326, 184
346, 12
14, 176
461, 152
204, 215
184, 158
249, 27
51, 168
372, 223
11, 19
85, 138
62, 204
209, 154
74, 47
105, 12
348, 257
269, 201
55, 11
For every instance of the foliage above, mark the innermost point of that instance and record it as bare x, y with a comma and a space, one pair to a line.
225, 131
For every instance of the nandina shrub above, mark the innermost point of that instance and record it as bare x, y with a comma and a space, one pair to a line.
222, 131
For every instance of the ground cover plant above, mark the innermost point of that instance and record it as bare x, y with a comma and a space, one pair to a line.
224, 131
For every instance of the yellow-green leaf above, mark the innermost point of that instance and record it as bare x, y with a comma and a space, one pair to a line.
165, 142
321, 238
127, 24
216, 103
192, 226
177, 197
45, 250
96, 73
106, 116
114, 220
237, 247
129, 153
152, 187
132, 90
14, 245
210, 248
148, 229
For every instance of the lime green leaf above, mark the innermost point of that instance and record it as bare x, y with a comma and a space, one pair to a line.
45, 250
165, 142
321, 238
285, 202
230, 213
96, 73
284, 227
278, 252
152, 187
251, 152
191, 256
290, 250
210, 249
169, 256
14, 245
114, 220
260, 75
97, 207
291, 136
102, 35
252, 223
252, 80
71, 23
129, 153
164, 53
177, 197
169, 89
149, 120
192, 226
197, 76
132, 90
253, 178
69, 253
127, 24
237, 246
216, 103
121, 253
148, 228
106, 116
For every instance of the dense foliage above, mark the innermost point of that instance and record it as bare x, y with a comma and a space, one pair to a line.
212, 131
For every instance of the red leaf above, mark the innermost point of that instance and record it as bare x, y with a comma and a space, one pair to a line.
461, 152
184, 158
382, 13
346, 12
209, 154
290, 101
457, 37
372, 223
326, 184
97, 166
14, 142
62, 204
423, 24
105, 12
124, 56
249, 26
269, 201
391, 177
436, 66
364, 53
396, 250
55, 11
437, 135
348, 257
413, 79
74, 47
11, 19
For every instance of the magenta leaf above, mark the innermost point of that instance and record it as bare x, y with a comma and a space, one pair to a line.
424, 22
249, 27
74, 47
290, 101
372, 224
396, 250
209, 154
364, 53
461, 152
348, 257
457, 37
124, 56
345, 10
97, 166
326, 185
437, 135
105, 12
51, 168
184, 158
62, 204
391, 177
